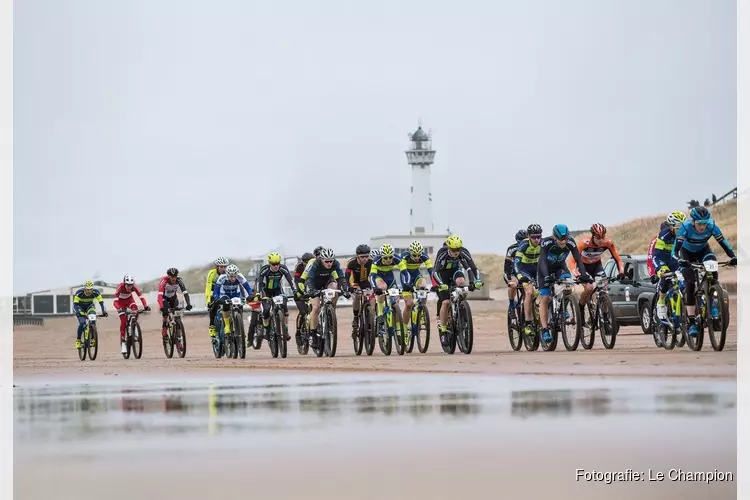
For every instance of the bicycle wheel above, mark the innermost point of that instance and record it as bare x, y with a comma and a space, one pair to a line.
302, 345
332, 337
531, 342
137, 340
237, 336
466, 332
384, 339
410, 329
168, 342
281, 339
554, 329
358, 337
514, 331
82, 350
368, 325
570, 323
667, 330
273, 338
717, 327
180, 338
608, 327
217, 343
399, 334
588, 325
93, 347
423, 320
656, 325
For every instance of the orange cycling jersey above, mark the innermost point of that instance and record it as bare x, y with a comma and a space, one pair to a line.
592, 254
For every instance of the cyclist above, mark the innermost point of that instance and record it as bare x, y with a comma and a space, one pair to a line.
268, 284
124, 300
168, 287
662, 258
525, 262
554, 250
374, 253
357, 275
83, 305
230, 285
381, 273
449, 260
322, 272
302, 307
220, 267
691, 245
591, 249
650, 256
509, 276
415, 258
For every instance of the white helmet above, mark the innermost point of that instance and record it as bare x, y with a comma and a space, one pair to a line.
221, 261
128, 280
327, 253
232, 270
374, 253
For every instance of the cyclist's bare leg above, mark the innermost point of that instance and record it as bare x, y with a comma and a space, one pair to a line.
528, 300
315, 308
588, 289
543, 310
460, 281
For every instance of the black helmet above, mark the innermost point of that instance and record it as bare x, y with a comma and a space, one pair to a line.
172, 272
318, 249
534, 229
306, 257
520, 235
363, 249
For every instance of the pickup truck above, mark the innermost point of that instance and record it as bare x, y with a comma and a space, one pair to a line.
633, 297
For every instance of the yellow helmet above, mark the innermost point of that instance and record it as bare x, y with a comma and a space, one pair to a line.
454, 242
274, 258
676, 218
88, 285
386, 250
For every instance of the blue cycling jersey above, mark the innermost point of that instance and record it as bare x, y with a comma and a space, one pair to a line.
229, 288
691, 240
662, 253
553, 255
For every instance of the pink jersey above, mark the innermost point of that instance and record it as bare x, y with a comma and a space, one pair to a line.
650, 263
123, 294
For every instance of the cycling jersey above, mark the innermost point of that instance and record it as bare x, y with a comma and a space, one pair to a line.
414, 265
650, 256
299, 268
527, 253
690, 239
125, 296
316, 275
358, 273
591, 253
211, 278
226, 287
385, 271
268, 279
82, 302
509, 255
445, 262
552, 256
168, 290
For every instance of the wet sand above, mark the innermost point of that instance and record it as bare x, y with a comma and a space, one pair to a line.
48, 351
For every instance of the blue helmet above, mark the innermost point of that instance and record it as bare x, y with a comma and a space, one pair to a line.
560, 231
700, 215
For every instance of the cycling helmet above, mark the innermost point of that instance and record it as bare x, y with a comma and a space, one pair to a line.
534, 229
306, 257
700, 215
598, 230
560, 231
520, 235
675, 219
88, 285
374, 253
232, 270
316, 252
363, 249
128, 280
221, 261
274, 258
416, 248
454, 242
172, 272
386, 250
327, 253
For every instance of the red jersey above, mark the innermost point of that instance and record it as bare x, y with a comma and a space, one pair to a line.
651, 269
169, 290
123, 294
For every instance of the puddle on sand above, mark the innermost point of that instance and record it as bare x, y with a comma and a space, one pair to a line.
161, 416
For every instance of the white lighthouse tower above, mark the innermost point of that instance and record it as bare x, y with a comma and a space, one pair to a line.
421, 156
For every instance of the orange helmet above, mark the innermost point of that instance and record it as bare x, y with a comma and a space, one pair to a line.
598, 230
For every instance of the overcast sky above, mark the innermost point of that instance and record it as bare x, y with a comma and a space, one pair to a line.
160, 133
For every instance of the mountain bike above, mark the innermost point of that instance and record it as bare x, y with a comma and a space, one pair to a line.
231, 344
674, 324
303, 327
563, 313
364, 336
601, 316
460, 322
517, 326
327, 323
420, 322
175, 333
90, 338
133, 335
389, 325
712, 306
277, 342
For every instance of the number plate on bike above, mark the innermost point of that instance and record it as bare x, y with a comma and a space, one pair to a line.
92, 317
711, 266
278, 300
329, 294
236, 301
394, 292
421, 294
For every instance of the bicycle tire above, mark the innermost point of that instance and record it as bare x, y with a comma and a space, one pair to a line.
238, 329
409, 329
655, 325
83, 350
515, 326
608, 327
667, 330
587, 341
450, 332
398, 326
575, 312
217, 343
531, 342
358, 337
715, 295
180, 338
367, 322
93, 335
467, 328
331, 339
168, 343
273, 338
423, 313
282, 335
554, 330
385, 342
137, 340
302, 346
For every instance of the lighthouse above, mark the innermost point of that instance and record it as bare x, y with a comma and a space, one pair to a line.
420, 157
